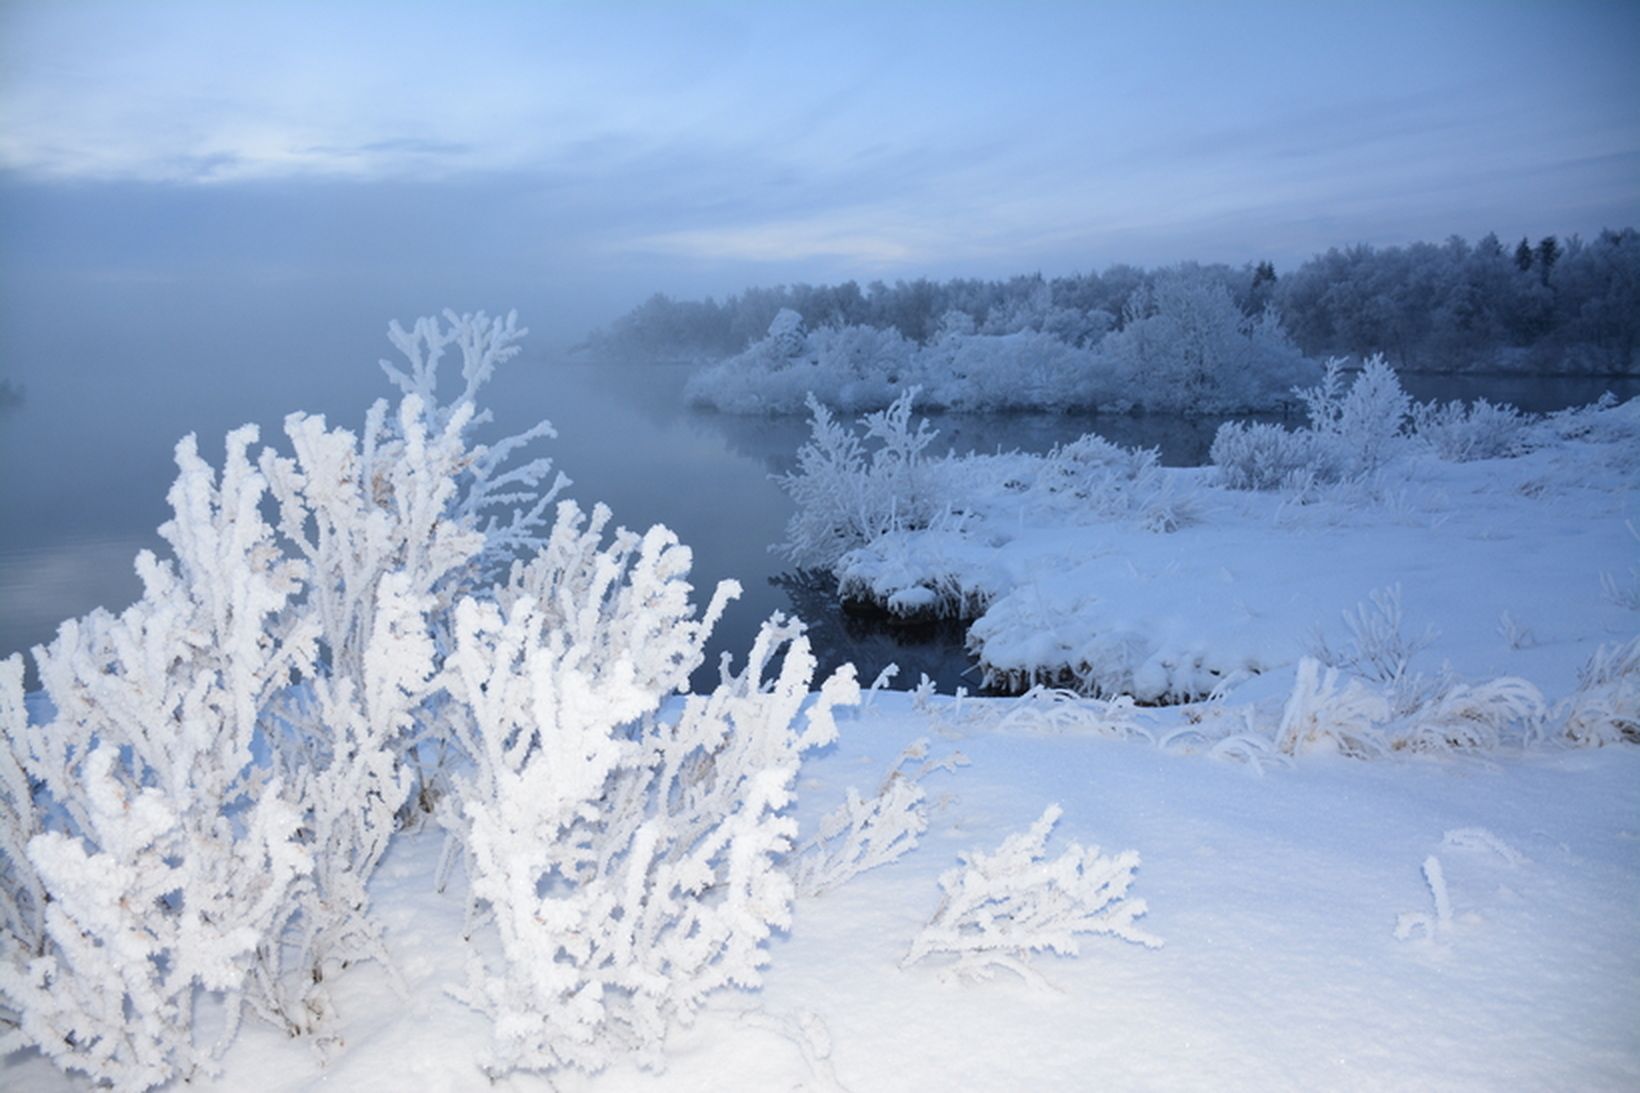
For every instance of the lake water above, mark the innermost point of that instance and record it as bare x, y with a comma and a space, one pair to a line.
86, 458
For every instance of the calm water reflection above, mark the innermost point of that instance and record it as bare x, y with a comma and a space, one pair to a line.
86, 462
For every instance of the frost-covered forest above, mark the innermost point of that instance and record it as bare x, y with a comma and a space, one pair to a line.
1198, 338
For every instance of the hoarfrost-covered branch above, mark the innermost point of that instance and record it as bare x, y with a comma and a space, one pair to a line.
861, 833
1000, 907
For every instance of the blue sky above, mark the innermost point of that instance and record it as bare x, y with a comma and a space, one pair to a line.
606, 151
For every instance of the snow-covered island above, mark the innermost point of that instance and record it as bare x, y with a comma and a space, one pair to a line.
390, 759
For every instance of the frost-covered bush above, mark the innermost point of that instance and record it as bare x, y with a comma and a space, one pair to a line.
1352, 717
846, 494
1479, 430
863, 833
626, 856
1002, 906
850, 368
395, 525
1605, 707
1186, 347
1253, 455
1377, 649
174, 848
1355, 429
1026, 370
22, 897
1097, 480
1352, 431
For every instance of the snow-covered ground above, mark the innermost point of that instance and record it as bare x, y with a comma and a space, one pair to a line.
1277, 892
1095, 568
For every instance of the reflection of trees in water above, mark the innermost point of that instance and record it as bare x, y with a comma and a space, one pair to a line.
772, 441
934, 649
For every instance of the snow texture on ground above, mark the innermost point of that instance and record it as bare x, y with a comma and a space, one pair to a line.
1278, 892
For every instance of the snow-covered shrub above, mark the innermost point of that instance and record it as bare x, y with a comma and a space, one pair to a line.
1186, 347
1457, 716
1480, 430
394, 525
627, 855
1355, 429
1025, 370
177, 849
1102, 480
1377, 648
1254, 455
847, 496
862, 833
503, 501
22, 898
1323, 713
1002, 906
1404, 714
1352, 431
338, 748
1605, 707
850, 368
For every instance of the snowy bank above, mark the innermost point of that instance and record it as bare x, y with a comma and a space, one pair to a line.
1092, 567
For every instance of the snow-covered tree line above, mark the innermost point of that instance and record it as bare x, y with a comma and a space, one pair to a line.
1184, 346
1552, 305
368, 632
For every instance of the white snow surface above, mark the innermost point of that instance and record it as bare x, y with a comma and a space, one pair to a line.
1247, 580
1278, 894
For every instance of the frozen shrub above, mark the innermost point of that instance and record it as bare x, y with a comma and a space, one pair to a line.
628, 859
22, 898
1025, 370
1185, 347
1258, 456
1351, 433
1100, 480
850, 368
1605, 708
394, 525
1356, 428
1405, 714
847, 496
863, 833
1377, 649
1002, 906
1457, 716
177, 849
1322, 713
1480, 430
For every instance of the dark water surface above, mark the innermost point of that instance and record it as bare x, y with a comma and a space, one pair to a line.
85, 458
